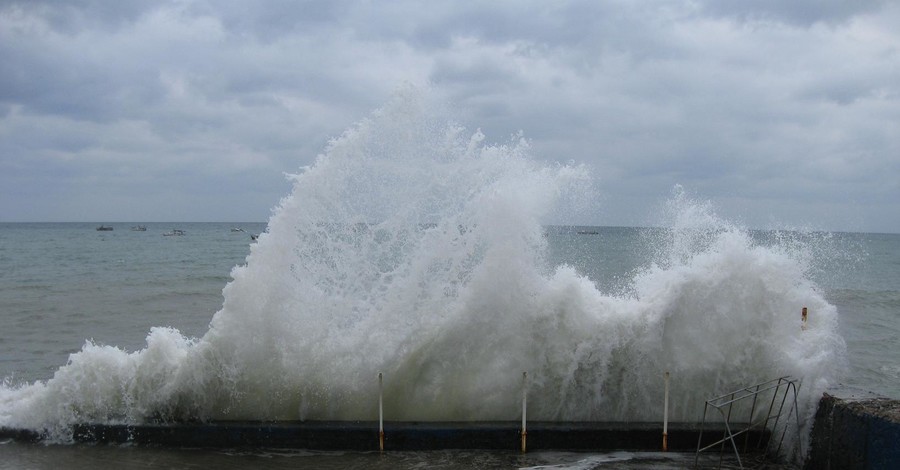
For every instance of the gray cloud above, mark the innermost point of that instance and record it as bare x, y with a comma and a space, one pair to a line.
73, 16
777, 110
798, 12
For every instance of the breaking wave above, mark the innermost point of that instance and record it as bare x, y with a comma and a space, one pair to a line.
415, 248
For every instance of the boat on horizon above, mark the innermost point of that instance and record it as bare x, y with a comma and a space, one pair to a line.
104, 228
139, 228
174, 232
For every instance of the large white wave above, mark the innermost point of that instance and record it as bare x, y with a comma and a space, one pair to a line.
414, 248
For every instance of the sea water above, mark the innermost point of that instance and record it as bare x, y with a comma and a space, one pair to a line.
414, 248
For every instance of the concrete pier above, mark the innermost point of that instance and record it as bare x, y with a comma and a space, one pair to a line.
848, 433
363, 435
855, 434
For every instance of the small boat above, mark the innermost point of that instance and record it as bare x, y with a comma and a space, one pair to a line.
588, 232
104, 228
174, 232
237, 229
139, 228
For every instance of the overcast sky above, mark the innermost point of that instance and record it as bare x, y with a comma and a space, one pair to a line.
782, 113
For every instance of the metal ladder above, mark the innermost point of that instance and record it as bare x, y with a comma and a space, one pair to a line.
782, 387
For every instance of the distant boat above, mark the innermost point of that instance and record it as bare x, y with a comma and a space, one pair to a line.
237, 229
139, 228
104, 228
174, 232
588, 232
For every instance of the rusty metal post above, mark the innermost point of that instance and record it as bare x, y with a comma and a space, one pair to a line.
524, 401
380, 412
665, 442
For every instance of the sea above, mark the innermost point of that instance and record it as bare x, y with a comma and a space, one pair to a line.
415, 249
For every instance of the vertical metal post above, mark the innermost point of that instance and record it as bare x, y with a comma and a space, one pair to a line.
665, 444
729, 436
700, 434
524, 402
752, 412
380, 412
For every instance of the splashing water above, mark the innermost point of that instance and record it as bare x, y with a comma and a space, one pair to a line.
414, 248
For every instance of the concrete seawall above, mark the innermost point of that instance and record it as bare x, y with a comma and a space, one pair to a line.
363, 435
855, 434
848, 433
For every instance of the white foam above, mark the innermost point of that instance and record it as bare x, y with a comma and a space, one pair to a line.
415, 249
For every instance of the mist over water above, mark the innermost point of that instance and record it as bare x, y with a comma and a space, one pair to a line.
415, 248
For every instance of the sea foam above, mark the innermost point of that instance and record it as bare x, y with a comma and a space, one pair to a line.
414, 248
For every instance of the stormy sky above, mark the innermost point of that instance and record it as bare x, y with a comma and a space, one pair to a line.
782, 114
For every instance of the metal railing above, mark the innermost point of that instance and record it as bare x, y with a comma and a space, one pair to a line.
735, 403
